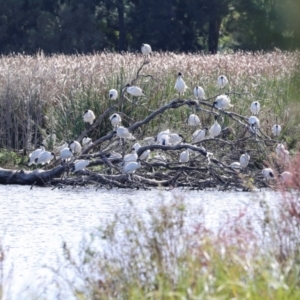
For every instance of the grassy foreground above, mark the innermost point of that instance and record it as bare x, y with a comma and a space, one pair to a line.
50, 93
165, 255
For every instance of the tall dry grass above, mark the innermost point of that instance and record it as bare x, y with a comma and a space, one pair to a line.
39, 93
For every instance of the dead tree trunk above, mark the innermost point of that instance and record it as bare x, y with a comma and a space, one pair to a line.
36, 177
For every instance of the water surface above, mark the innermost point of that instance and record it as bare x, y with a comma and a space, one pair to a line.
34, 223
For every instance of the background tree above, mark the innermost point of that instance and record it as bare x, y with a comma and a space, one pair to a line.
81, 26
154, 24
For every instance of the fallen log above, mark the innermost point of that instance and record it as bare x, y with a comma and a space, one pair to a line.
36, 177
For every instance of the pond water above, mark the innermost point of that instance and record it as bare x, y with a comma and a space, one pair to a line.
34, 223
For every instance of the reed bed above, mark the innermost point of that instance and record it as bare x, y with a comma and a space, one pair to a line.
40, 94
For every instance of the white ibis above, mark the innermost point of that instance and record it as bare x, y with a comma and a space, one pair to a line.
255, 107
146, 49
113, 94
75, 147
276, 129
180, 85
222, 102
193, 120
254, 123
268, 173
199, 135
215, 129
66, 154
80, 165
35, 154
45, 158
199, 93
244, 160
184, 156
115, 120
86, 141
123, 132
89, 116
134, 90
222, 81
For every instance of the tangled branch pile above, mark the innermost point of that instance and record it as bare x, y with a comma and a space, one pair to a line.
214, 147
196, 158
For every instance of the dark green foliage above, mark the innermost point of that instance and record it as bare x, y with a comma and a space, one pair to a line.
78, 26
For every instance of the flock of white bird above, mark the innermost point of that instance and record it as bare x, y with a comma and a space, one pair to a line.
131, 161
